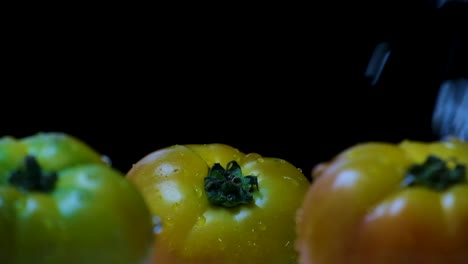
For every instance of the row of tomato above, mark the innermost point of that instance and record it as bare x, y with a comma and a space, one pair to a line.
376, 202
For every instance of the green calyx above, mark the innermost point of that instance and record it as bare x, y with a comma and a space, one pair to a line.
227, 187
31, 177
436, 173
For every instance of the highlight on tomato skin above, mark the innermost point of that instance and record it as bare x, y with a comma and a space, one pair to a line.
379, 202
220, 205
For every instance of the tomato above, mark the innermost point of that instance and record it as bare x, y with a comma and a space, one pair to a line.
380, 202
219, 205
60, 202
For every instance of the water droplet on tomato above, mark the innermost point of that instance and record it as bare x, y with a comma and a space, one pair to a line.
106, 159
251, 243
198, 192
168, 222
261, 226
222, 247
201, 220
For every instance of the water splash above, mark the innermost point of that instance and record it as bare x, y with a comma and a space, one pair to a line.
377, 62
450, 117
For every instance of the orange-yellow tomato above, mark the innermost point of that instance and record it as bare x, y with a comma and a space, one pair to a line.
388, 203
219, 205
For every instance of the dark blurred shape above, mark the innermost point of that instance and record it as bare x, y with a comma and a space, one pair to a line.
441, 3
451, 111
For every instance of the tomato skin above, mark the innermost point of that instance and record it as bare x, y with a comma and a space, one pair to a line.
91, 215
195, 231
359, 211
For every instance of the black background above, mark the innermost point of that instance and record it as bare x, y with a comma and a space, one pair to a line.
283, 81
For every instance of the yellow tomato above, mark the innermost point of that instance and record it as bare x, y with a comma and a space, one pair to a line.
219, 205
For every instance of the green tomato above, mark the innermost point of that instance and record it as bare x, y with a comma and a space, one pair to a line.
60, 202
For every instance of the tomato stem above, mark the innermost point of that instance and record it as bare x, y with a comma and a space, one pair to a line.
436, 173
227, 187
31, 177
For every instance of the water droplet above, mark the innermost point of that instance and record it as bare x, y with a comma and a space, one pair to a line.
168, 222
377, 62
261, 160
157, 225
449, 118
261, 226
172, 245
221, 245
291, 180
299, 169
253, 230
287, 243
201, 220
106, 159
186, 249
198, 192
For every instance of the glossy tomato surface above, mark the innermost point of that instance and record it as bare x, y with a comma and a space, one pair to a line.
388, 203
201, 225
